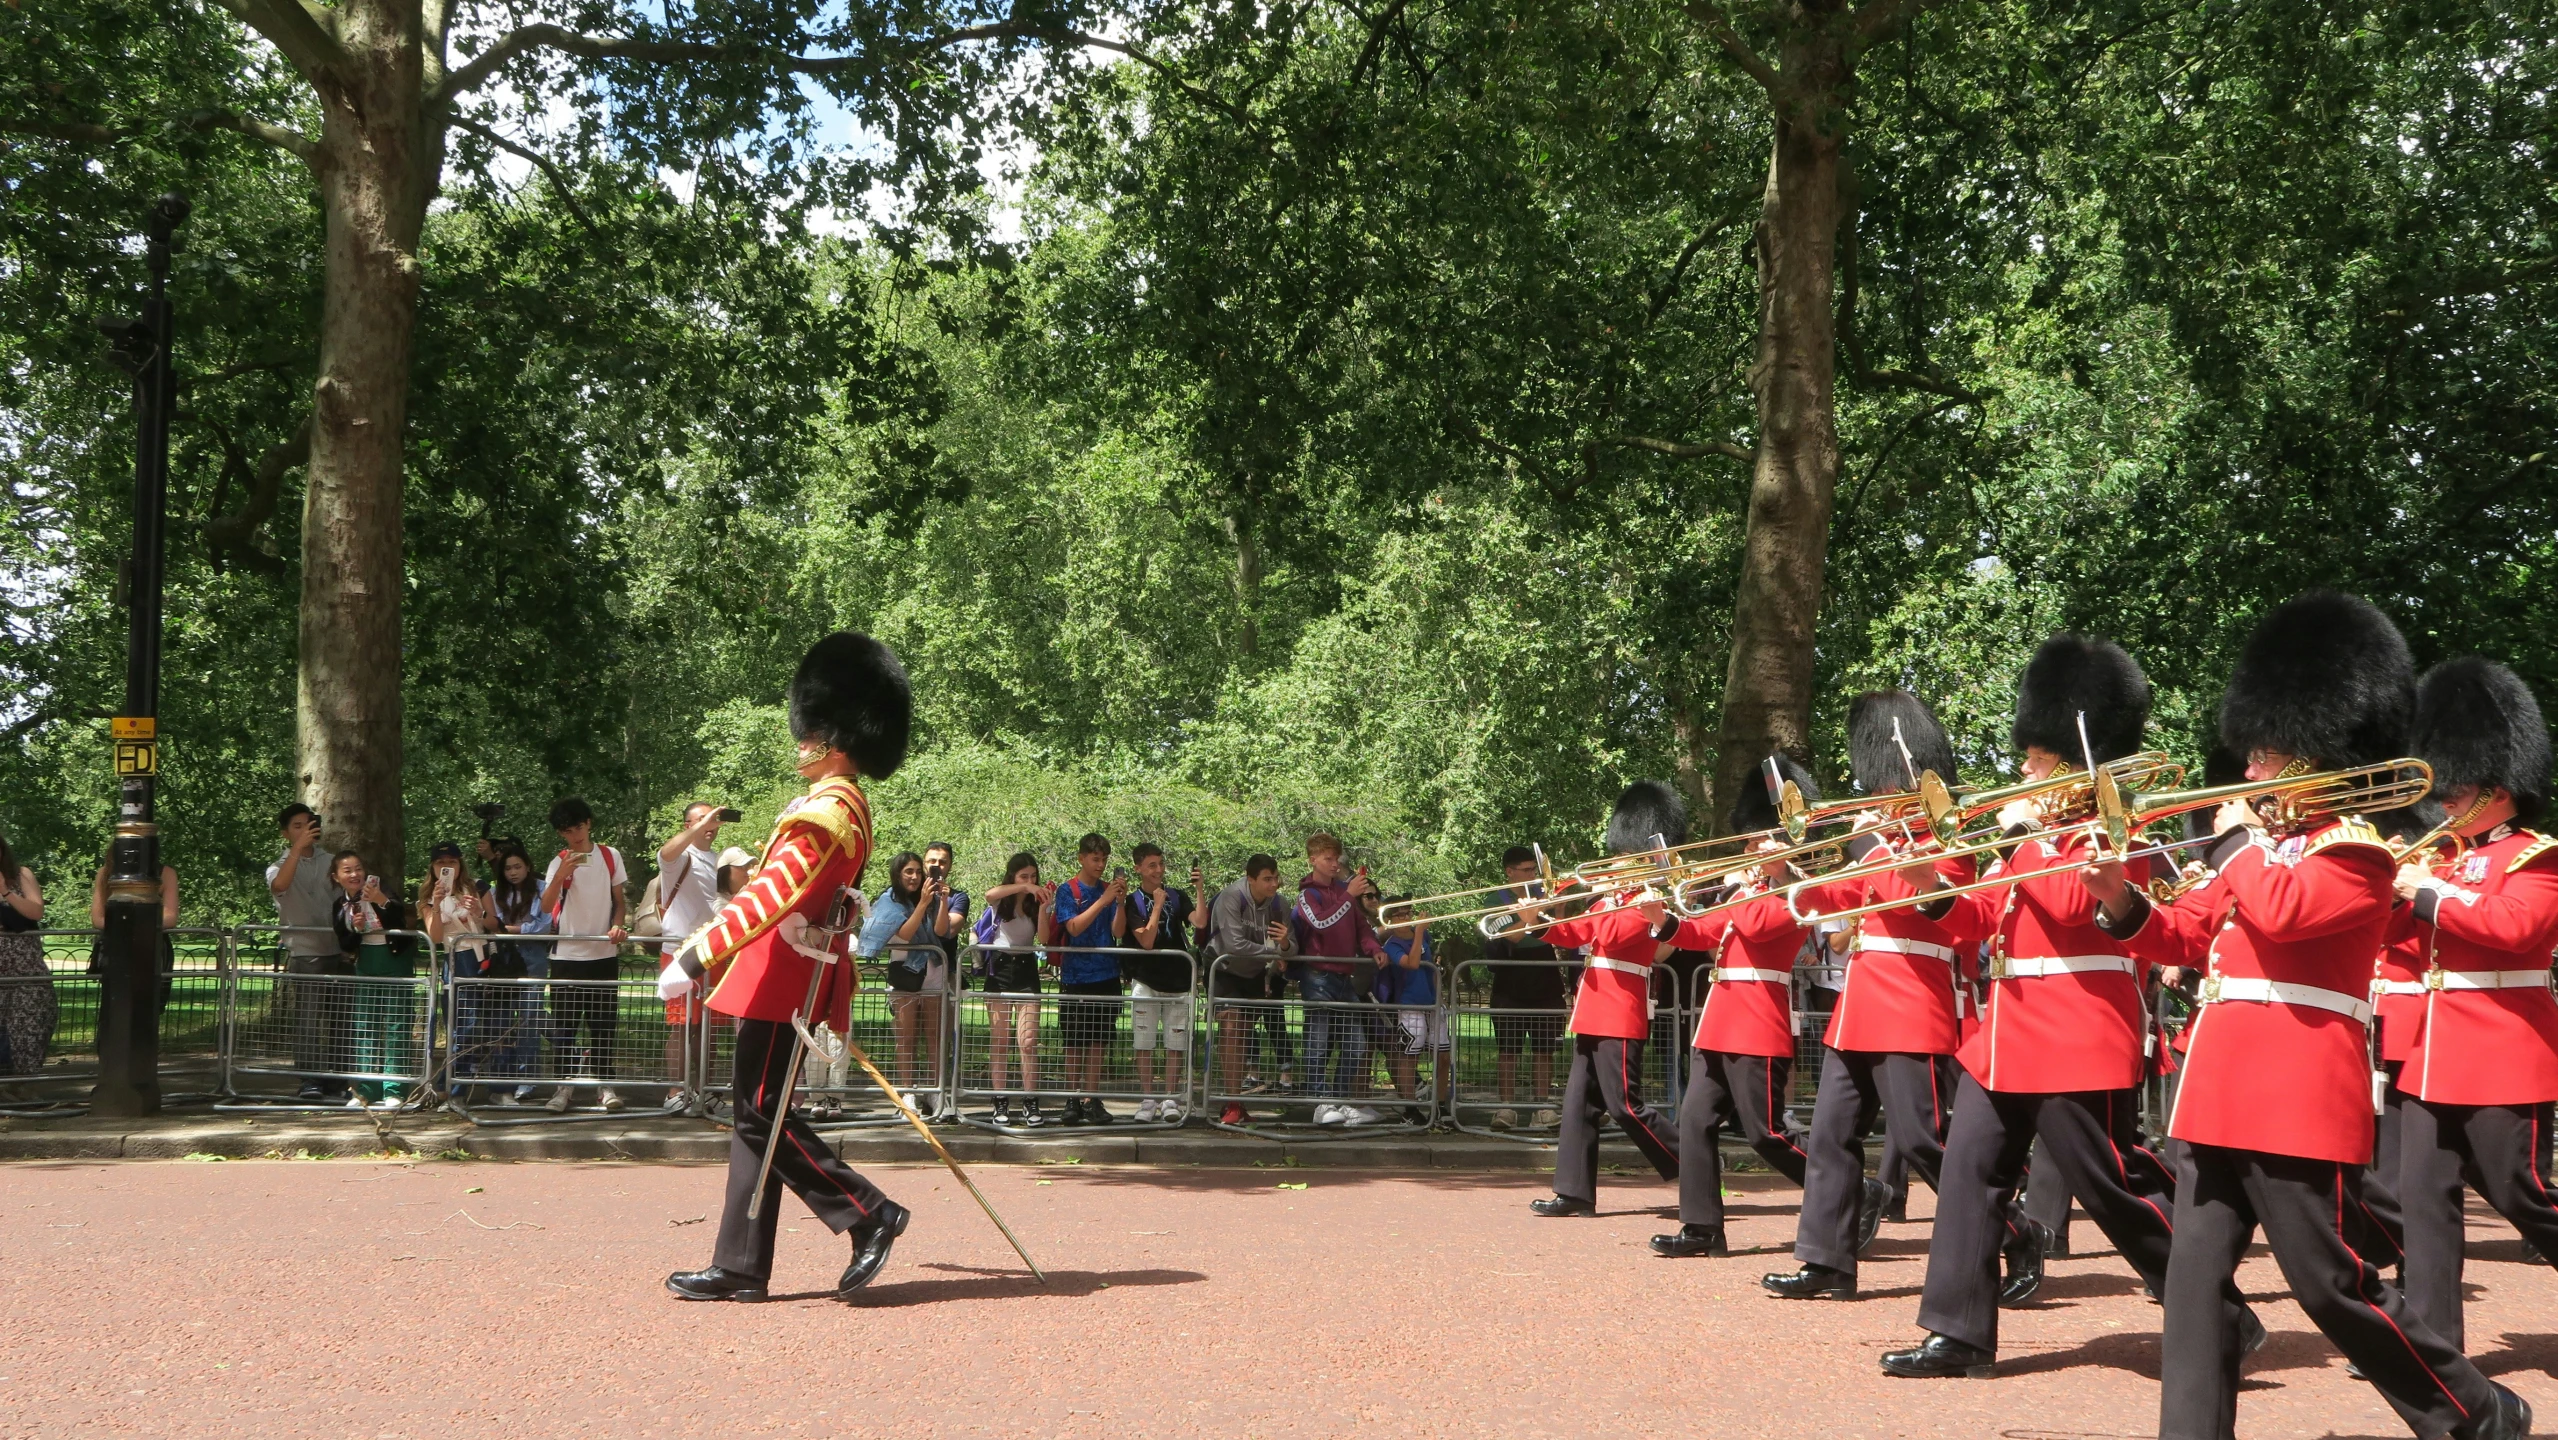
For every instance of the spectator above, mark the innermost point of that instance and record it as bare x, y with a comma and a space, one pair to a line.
736, 867
1527, 1002
515, 908
362, 913
1007, 934
1408, 983
949, 922
1159, 919
28, 1006
455, 909
305, 906
168, 922
903, 927
688, 898
1248, 931
1083, 916
1334, 935
582, 893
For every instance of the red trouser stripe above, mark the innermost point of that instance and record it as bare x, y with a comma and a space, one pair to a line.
2361, 1269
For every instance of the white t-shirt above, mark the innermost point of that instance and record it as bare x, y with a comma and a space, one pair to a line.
688, 892
587, 908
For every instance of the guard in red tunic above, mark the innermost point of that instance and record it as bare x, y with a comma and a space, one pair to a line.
1897, 1013
1742, 1061
2484, 1066
1613, 1012
850, 711
2061, 1046
2398, 1012
2275, 1111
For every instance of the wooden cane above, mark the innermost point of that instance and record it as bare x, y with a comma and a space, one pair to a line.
855, 1050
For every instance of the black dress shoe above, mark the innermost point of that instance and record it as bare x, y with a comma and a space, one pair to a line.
1898, 1212
1940, 1357
2509, 1420
1553, 1205
871, 1244
1811, 1283
2024, 1256
1869, 1211
714, 1284
1691, 1240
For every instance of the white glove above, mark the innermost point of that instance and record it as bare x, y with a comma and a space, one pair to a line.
672, 982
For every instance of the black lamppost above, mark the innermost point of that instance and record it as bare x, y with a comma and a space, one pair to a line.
129, 983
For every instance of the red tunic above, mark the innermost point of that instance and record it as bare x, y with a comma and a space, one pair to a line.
1748, 1016
1901, 984
2491, 913
820, 846
2398, 999
1616, 987
2078, 1024
2275, 1076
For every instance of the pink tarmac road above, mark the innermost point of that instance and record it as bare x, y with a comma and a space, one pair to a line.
352, 1298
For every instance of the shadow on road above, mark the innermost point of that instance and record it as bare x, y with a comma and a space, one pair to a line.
2521, 1352
970, 1282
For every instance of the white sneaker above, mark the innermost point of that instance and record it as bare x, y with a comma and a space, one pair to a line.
611, 1098
558, 1103
1361, 1115
1331, 1114
1148, 1109
1547, 1120
1169, 1112
1505, 1119
355, 1102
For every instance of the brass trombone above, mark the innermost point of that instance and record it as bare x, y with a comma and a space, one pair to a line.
2286, 802
1547, 886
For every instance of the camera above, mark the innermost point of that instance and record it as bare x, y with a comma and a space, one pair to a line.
488, 810
730, 815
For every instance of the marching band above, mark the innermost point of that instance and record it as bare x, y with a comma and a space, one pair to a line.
2369, 914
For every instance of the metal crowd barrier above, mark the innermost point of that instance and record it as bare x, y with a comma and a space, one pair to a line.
898, 1029
532, 1048
321, 1024
49, 1017
1163, 1029
1529, 1037
1331, 1034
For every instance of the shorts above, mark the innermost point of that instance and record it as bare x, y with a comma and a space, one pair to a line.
1011, 974
1157, 1021
1423, 1029
1516, 1033
901, 1001
1226, 985
1089, 1022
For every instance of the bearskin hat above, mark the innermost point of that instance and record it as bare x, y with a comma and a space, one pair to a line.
1753, 809
2326, 677
2077, 674
1647, 808
2478, 724
1875, 761
851, 693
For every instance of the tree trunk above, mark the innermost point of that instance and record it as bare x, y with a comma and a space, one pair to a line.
1247, 587
377, 166
1767, 695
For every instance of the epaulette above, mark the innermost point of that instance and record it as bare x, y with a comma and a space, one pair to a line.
2351, 830
2540, 845
835, 805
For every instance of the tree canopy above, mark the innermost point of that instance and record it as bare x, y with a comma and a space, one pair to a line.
1358, 432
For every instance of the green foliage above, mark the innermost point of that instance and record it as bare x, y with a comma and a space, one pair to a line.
1281, 478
